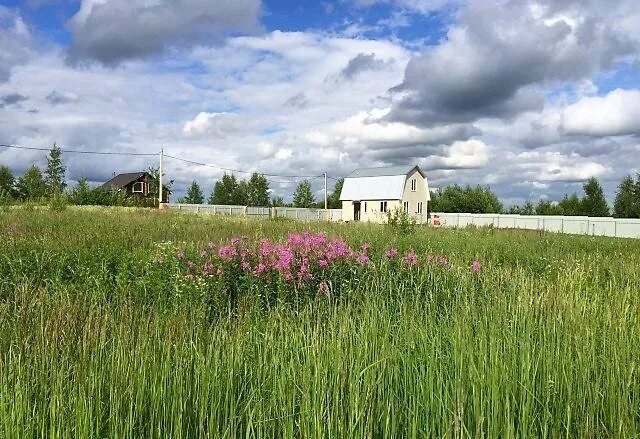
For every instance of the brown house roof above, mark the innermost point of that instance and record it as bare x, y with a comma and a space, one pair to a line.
121, 180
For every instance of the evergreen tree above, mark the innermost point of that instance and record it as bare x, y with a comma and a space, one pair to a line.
257, 190
194, 194
594, 202
6, 180
626, 204
31, 184
54, 174
81, 194
333, 200
240, 195
303, 196
224, 191
571, 205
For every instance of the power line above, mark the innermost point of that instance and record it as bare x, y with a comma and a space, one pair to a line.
245, 172
77, 151
289, 178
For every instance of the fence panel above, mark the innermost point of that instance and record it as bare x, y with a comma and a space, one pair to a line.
262, 212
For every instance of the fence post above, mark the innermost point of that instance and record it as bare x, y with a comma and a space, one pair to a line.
197, 209
245, 212
214, 209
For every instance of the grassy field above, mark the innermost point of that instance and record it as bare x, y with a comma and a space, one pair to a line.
105, 333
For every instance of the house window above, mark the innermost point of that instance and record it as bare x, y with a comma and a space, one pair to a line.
406, 206
419, 209
383, 206
138, 187
413, 185
365, 207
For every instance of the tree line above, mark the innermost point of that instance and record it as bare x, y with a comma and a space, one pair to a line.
34, 185
458, 199
255, 191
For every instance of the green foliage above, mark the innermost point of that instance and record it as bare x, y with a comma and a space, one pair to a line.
457, 199
277, 202
545, 207
257, 190
571, 205
6, 180
54, 174
6, 199
31, 185
303, 196
333, 200
194, 194
400, 222
81, 194
594, 203
229, 191
58, 202
627, 202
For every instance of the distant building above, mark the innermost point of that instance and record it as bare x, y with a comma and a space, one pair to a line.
137, 184
369, 193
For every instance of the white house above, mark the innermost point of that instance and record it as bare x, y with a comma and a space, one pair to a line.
369, 193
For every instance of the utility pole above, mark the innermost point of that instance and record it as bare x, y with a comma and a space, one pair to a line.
325, 191
160, 179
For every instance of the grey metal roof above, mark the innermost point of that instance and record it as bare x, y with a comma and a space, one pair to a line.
121, 180
384, 171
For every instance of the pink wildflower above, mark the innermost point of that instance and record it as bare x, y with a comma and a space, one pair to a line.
246, 266
363, 259
430, 257
203, 253
410, 258
211, 245
475, 266
365, 246
227, 252
180, 254
391, 253
260, 268
191, 265
322, 263
442, 260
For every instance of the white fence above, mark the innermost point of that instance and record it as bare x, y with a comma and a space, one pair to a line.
262, 212
583, 225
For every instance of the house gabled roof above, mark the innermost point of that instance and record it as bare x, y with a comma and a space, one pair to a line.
121, 180
377, 183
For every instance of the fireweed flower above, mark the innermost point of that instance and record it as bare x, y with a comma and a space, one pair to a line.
475, 266
391, 253
246, 266
211, 245
191, 265
430, 257
363, 259
227, 252
442, 260
203, 253
365, 246
322, 263
410, 258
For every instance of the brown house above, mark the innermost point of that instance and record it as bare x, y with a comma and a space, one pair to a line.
137, 184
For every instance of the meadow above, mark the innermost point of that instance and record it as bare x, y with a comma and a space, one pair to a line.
143, 323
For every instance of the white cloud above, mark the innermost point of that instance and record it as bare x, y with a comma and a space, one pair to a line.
615, 114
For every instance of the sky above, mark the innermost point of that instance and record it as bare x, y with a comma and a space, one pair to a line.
530, 97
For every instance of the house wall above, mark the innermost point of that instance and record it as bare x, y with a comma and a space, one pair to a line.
373, 213
413, 197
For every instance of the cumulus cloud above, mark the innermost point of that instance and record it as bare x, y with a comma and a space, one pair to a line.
615, 114
361, 63
498, 57
15, 42
111, 31
11, 99
57, 98
217, 125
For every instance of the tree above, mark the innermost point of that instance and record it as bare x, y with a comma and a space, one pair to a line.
627, 204
225, 191
277, 202
303, 196
31, 184
81, 194
6, 180
257, 190
545, 207
571, 205
457, 199
54, 174
333, 200
594, 202
240, 195
194, 194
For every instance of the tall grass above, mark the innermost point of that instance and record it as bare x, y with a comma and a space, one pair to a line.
96, 340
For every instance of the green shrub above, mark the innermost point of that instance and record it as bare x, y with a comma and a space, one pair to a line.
400, 222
